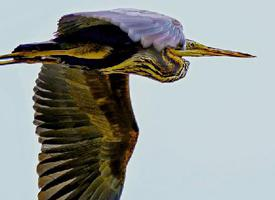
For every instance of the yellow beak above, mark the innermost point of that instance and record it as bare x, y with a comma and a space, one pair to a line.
202, 50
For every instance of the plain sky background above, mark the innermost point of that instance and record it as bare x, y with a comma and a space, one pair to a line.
210, 136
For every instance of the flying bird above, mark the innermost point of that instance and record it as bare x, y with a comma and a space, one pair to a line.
83, 112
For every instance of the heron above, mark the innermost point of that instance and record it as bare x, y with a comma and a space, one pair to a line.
83, 113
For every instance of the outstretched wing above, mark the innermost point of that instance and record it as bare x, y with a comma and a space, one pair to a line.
87, 130
149, 28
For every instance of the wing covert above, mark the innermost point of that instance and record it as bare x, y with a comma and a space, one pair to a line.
148, 28
87, 130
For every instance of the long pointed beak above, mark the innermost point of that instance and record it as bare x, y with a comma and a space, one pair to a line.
210, 51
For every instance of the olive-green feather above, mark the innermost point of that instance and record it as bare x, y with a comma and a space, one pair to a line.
87, 130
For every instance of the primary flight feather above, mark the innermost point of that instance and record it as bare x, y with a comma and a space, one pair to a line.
83, 111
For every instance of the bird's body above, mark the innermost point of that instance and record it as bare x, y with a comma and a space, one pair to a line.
82, 104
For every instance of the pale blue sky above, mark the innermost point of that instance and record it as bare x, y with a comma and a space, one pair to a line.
210, 136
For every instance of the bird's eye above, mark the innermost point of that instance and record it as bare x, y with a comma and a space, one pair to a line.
191, 45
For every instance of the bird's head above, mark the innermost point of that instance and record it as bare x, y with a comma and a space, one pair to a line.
171, 65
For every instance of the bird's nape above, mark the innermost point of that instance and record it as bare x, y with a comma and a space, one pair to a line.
195, 49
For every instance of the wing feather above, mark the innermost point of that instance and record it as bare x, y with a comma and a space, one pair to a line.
131, 21
87, 130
